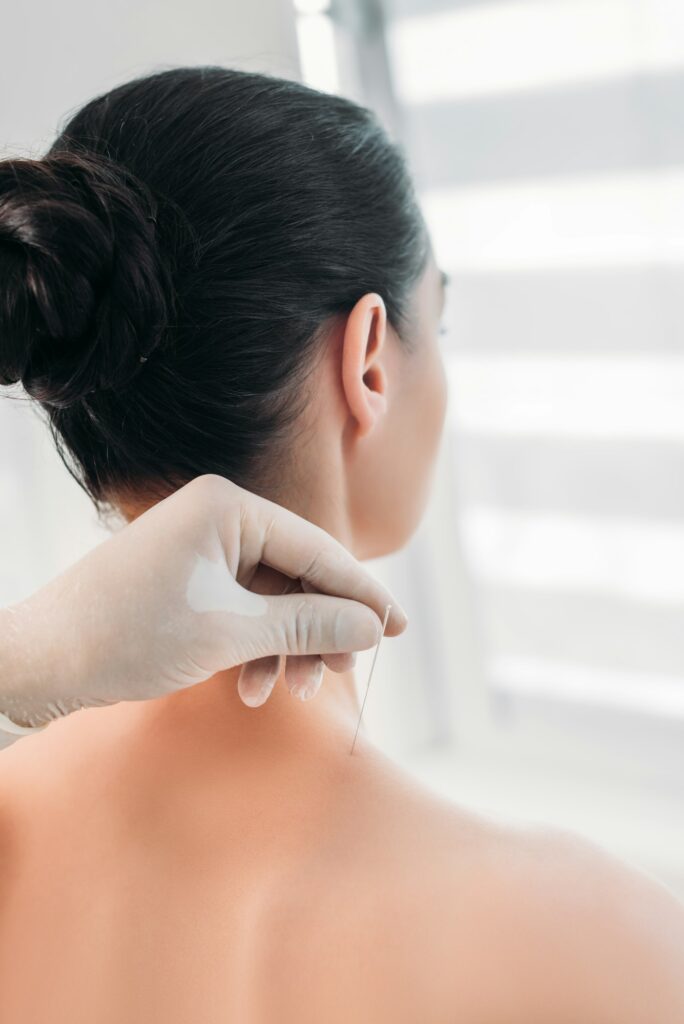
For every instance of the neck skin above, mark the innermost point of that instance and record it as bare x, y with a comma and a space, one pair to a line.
317, 491
267, 770
215, 711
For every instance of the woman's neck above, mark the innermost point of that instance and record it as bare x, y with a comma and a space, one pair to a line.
214, 711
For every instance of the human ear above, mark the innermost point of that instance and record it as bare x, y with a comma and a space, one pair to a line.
364, 380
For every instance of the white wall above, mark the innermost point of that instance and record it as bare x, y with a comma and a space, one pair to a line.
55, 56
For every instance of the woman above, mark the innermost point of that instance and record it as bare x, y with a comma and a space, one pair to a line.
221, 272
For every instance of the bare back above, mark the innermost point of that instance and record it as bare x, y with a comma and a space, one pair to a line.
148, 876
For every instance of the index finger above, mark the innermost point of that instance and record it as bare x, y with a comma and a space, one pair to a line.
300, 549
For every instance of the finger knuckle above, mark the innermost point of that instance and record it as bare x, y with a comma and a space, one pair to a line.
315, 567
327, 560
304, 627
211, 487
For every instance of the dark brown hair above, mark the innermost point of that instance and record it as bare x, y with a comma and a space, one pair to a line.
168, 267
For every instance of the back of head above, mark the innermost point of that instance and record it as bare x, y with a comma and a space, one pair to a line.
169, 267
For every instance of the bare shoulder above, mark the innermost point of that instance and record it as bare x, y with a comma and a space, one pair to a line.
609, 935
524, 923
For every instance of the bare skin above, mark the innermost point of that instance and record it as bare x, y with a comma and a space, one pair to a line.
195, 859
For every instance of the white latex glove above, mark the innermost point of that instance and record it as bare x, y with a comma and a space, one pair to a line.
164, 604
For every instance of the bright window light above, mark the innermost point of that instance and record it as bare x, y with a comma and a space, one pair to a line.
490, 48
623, 557
613, 396
311, 6
650, 693
317, 52
617, 220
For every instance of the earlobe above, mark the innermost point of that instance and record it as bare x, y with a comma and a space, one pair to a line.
363, 376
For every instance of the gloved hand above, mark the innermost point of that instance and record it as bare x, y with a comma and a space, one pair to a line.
165, 603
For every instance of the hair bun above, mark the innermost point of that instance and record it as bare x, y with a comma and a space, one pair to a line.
85, 295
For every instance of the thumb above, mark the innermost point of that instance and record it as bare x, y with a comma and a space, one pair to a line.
312, 624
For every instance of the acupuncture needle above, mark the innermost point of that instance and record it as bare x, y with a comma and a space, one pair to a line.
370, 676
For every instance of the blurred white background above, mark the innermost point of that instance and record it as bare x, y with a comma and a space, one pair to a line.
542, 676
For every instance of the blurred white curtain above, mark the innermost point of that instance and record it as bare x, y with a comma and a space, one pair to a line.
545, 140
547, 582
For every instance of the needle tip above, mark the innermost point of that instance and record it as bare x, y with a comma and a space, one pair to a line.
370, 676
